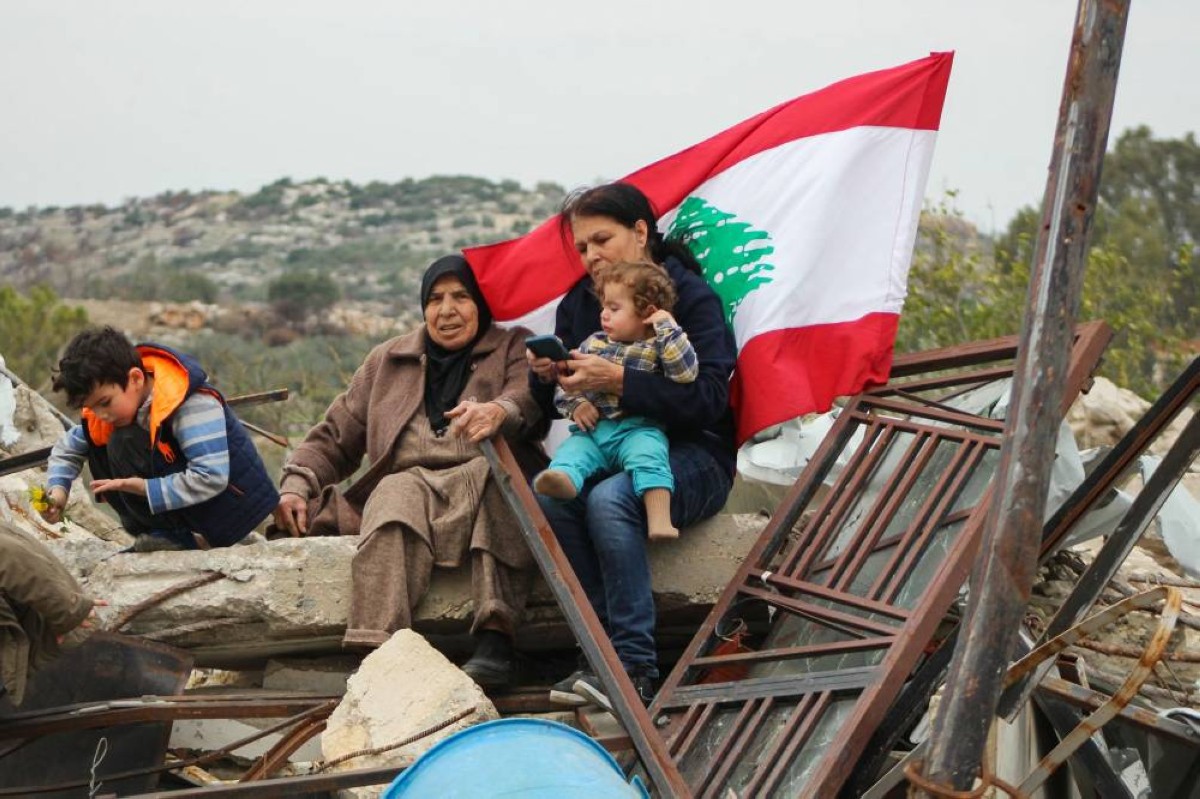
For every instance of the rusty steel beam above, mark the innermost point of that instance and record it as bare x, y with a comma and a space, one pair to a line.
1172, 599
301, 720
1003, 578
274, 759
283, 787
1112, 554
1147, 720
152, 708
650, 747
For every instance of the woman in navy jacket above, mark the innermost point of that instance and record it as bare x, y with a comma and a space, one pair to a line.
603, 530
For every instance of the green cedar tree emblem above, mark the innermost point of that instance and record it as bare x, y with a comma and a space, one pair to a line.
730, 252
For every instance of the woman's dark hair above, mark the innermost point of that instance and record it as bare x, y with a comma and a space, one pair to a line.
96, 357
626, 204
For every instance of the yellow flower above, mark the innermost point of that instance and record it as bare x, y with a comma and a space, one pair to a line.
38, 499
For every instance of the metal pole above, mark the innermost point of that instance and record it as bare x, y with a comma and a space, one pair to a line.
585, 624
1003, 576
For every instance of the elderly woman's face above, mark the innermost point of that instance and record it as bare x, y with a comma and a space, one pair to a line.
603, 241
451, 316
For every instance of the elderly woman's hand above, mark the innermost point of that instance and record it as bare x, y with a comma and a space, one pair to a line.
592, 373
476, 420
291, 514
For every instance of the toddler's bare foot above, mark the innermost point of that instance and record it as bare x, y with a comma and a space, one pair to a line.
663, 532
556, 484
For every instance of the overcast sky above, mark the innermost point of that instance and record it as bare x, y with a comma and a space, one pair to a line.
101, 101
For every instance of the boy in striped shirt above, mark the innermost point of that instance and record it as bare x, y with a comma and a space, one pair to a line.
164, 449
639, 332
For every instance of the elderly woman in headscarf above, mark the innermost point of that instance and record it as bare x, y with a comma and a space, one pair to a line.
417, 409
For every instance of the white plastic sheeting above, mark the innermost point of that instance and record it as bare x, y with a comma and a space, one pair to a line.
1179, 520
9, 434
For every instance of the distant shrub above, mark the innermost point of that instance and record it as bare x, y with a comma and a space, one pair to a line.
296, 295
280, 336
188, 286
266, 202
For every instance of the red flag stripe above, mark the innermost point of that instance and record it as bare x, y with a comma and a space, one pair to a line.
908, 96
839, 359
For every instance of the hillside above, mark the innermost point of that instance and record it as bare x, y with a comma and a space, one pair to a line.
372, 240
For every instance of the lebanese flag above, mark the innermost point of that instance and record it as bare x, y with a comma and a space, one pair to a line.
803, 218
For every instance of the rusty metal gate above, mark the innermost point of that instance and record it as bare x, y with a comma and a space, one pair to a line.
858, 566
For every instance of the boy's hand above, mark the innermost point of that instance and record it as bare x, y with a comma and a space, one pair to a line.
586, 416
130, 485
660, 316
55, 499
291, 514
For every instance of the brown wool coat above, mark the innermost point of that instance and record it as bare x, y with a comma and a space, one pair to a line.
440, 489
39, 601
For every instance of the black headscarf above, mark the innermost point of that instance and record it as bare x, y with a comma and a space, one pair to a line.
446, 371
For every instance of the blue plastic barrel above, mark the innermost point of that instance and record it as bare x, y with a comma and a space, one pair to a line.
526, 758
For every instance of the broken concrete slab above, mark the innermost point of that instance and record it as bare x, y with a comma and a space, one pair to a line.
325, 676
283, 588
291, 595
402, 689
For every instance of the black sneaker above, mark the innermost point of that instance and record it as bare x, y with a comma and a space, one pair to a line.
148, 542
563, 692
590, 688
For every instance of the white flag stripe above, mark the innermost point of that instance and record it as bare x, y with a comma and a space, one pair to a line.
539, 320
841, 209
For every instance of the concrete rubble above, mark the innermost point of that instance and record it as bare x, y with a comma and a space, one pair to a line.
297, 590
401, 690
279, 608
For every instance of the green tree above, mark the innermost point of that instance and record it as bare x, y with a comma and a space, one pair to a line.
297, 295
1141, 277
1150, 212
188, 286
33, 328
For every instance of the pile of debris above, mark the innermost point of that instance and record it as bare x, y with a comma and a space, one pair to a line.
812, 656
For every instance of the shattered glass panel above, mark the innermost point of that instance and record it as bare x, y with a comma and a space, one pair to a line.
699, 756
764, 741
946, 535
989, 400
927, 564
870, 569
794, 630
935, 470
979, 481
806, 759
866, 499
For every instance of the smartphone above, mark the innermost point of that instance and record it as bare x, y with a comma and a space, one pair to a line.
547, 347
